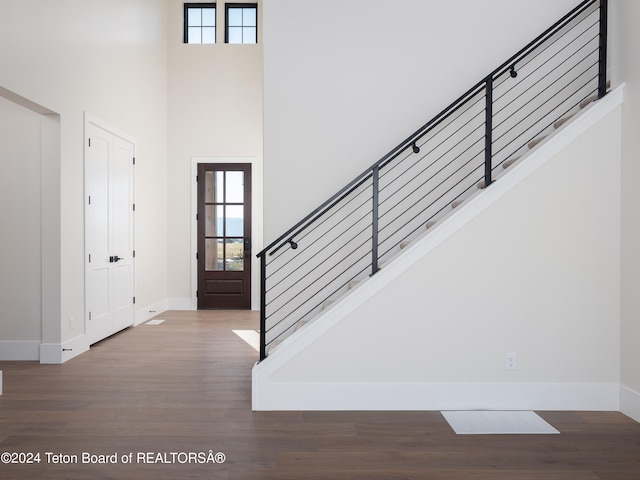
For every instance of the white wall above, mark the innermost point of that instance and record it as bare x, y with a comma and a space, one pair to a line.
108, 59
21, 239
626, 41
215, 114
346, 81
537, 272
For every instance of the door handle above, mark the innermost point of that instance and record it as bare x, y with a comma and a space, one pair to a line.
247, 247
115, 258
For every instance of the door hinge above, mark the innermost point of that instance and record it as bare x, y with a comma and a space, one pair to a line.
134, 300
89, 199
89, 141
196, 178
134, 160
89, 315
196, 217
196, 255
134, 207
89, 258
197, 294
134, 254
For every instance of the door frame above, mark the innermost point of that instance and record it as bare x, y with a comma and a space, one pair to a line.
89, 120
227, 294
256, 225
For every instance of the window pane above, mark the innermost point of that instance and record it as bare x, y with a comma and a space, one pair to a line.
249, 17
214, 218
208, 187
235, 221
209, 221
235, 187
195, 35
214, 254
249, 35
235, 17
208, 34
219, 220
219, 196
214, 187
209, 17
194, 18
235, 34
235, 255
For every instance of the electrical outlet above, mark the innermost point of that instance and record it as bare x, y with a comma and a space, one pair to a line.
511, 361
72, 323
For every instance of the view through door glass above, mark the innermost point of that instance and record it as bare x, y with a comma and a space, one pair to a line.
224, 236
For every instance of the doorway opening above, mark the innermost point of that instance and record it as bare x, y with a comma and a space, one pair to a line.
46, 338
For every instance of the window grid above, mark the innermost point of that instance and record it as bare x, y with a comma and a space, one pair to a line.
241, 23
200, 23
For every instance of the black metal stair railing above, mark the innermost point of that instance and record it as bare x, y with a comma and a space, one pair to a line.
460, 150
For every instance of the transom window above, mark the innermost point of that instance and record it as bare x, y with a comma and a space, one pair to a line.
199, 23
242, 23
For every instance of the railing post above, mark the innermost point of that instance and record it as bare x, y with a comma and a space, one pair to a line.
488, 135
263, 306
374, 220
602, 60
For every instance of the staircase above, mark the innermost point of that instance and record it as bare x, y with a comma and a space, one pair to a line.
458, 154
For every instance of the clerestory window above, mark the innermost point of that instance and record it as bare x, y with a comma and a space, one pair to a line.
199, 23
241, 23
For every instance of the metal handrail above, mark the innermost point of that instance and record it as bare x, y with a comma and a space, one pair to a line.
286, 237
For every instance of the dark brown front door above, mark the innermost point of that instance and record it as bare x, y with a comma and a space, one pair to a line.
224, 235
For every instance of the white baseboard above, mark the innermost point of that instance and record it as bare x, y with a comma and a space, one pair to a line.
630, 403
56, 353
435, 396
20, 350
181, 304
145, 313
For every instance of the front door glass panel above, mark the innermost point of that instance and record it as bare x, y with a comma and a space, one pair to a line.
224, 220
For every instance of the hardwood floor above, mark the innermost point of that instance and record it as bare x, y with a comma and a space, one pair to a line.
184, 386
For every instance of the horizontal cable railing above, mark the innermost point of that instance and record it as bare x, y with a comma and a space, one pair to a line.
456, 154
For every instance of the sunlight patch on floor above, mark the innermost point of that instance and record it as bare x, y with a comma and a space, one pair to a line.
497, 422
154, 322
252, 337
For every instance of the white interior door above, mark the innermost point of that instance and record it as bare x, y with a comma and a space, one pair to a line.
109, 233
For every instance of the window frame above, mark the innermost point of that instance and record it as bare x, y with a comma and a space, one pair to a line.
201, 5
226, 21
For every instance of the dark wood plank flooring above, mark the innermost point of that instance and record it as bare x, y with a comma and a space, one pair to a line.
185, 385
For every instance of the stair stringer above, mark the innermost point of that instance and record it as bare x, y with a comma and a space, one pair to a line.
273, 393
